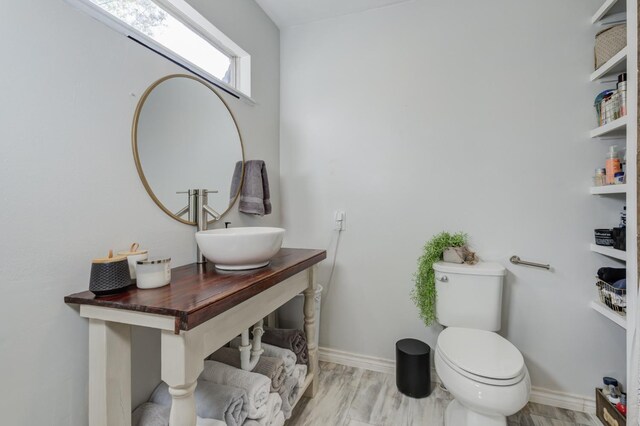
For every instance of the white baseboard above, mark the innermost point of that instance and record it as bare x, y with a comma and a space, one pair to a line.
356, 360
382, 365
569, 401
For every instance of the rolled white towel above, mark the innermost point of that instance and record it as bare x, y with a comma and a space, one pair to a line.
286, 392
286, 355
213, 401
278, 420
300, 372
210, 422
255, 385
274, 406
150, 414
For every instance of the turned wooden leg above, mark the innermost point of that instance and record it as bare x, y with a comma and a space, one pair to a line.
310, 329
181, 367
109, 373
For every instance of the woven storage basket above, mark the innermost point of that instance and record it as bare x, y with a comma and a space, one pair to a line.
609, 42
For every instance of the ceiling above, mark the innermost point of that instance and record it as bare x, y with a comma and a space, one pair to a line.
286, 13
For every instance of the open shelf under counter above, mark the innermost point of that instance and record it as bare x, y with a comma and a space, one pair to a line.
609, 251
615, 129
303, 389
608, 189
614, 66
605, 311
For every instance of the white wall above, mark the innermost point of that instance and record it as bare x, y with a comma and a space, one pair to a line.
70, 191
465, 115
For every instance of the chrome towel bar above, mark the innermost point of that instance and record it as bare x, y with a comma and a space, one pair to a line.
516, 261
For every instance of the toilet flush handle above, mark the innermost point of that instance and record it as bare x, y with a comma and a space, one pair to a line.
442, 278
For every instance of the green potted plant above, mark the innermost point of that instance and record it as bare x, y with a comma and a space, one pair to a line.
424, 293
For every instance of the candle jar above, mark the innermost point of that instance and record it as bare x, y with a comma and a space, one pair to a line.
600, 178
153, 273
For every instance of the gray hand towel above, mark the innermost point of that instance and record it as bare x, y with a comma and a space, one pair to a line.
213, 401
294, 340
268, 366
286, 355
150, 414
254, 195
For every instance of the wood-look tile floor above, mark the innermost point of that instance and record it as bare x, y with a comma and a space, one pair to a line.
350, 396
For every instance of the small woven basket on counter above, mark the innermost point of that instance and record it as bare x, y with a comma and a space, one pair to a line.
614, 298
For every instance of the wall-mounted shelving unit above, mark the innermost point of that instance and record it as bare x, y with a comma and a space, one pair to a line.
621, 132
615, 130
608, 190
609, 252
603, 309
603, 11
612, 67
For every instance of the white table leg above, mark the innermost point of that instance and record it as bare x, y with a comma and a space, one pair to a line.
310, 329
109, 373
181, 366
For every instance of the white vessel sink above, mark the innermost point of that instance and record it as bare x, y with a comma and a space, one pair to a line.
240, 248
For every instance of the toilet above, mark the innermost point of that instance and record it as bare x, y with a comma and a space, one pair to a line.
482, 370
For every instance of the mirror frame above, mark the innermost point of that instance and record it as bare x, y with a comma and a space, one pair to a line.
136, 156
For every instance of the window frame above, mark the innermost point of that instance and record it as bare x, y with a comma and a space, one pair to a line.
240, 86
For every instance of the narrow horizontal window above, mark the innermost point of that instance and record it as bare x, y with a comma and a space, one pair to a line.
156, 23
176, 31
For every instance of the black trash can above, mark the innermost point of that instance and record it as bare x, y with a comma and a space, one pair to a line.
413, 368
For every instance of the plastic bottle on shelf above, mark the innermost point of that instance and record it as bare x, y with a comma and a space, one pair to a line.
612, 165
622, 90
600, 178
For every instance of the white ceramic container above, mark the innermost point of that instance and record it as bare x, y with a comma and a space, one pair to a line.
153, 273
133, 255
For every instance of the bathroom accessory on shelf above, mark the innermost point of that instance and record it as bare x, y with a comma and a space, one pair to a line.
600, 179
517, 261
153, 273
609, 42
109, 275
612, 296
604, 237
612, 165
133, 255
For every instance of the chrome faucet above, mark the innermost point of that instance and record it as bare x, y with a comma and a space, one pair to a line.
199, 210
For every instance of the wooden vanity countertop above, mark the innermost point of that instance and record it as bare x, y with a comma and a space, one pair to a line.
198, 293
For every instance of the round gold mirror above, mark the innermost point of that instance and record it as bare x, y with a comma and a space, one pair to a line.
186, 139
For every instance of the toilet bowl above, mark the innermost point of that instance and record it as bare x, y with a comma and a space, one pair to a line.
485, 374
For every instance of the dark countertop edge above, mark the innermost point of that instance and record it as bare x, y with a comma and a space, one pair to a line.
238, 296
181, 316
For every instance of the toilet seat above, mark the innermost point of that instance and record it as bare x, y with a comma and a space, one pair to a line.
481, 356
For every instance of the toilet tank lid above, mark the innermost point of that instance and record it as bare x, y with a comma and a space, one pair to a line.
480, 268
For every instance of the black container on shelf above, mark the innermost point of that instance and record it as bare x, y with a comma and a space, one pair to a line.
620, 238
604, 237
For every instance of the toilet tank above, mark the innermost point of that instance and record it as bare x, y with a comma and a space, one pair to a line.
469, 296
